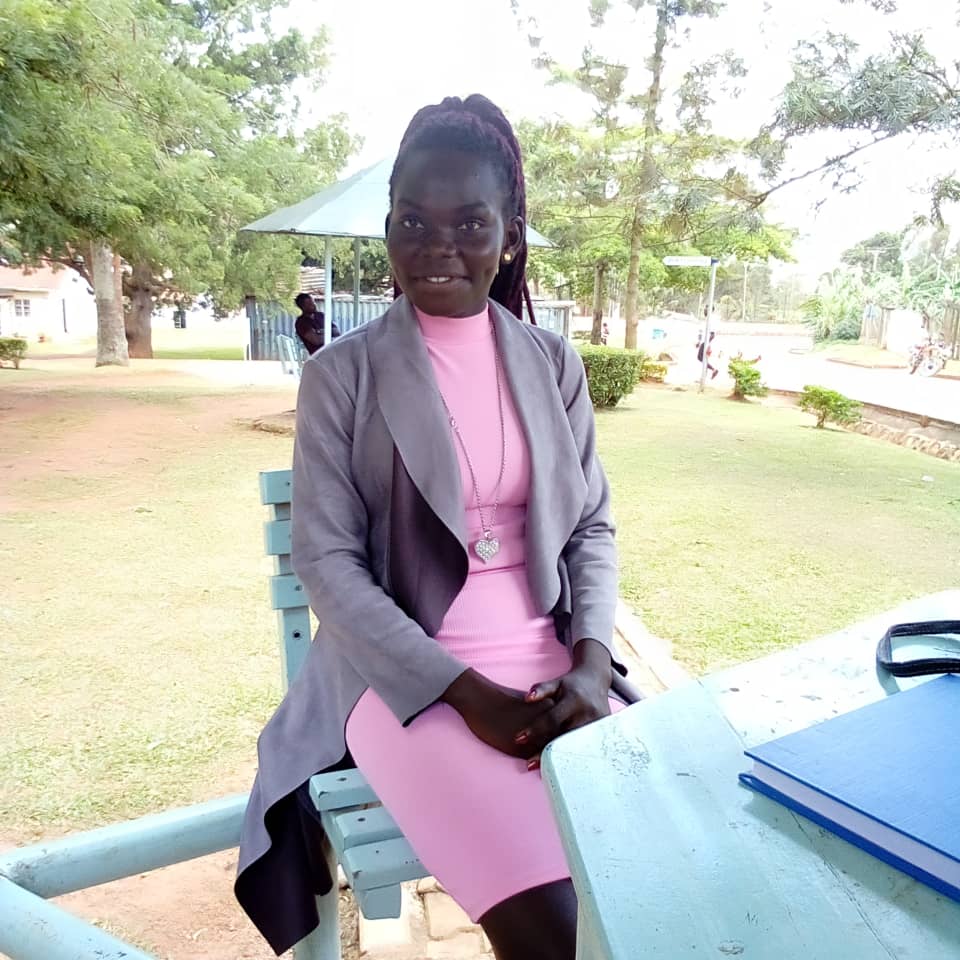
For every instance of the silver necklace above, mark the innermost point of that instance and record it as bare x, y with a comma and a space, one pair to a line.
488, 546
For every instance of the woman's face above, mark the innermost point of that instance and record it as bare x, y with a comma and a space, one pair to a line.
448, 231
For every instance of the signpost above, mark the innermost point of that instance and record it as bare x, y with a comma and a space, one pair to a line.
710, 262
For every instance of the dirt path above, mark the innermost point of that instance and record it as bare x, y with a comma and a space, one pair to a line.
95, 425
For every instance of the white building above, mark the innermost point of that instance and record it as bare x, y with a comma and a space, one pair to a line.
43, 303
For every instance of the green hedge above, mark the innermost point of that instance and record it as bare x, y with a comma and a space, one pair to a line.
13, 349
746, 379
612, 373
651, 370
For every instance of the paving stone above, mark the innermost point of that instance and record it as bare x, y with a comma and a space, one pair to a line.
400, 937
445, 917
464, 946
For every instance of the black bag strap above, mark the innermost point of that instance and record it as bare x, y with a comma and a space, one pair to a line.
920, 666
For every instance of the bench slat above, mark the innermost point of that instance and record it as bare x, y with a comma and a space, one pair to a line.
286, 591
275, 486
357, 827
276, 537
381, 864
381, 903
340, 789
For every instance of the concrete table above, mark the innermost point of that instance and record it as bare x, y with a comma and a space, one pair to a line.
673, 859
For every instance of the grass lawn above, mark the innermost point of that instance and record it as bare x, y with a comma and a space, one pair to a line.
743, 529
200, 353
140, 656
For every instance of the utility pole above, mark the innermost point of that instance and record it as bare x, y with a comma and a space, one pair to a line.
710, 262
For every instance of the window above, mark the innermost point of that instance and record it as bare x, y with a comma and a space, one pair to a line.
21, 308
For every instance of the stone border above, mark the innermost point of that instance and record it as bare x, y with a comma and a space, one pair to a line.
942, 449
902, 436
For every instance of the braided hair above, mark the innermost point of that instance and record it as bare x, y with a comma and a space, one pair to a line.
477, 125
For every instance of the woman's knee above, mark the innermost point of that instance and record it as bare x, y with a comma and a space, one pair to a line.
537, 924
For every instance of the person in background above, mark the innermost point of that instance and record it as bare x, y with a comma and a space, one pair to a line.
710, 355
309, 325
604, 334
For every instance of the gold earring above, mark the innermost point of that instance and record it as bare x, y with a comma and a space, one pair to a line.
507, 257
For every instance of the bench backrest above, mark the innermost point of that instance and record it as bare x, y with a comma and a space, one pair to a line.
287, 595
291, 356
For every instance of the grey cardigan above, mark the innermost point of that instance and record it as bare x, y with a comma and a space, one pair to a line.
379, 544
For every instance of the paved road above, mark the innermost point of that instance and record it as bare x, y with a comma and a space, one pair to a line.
785, 368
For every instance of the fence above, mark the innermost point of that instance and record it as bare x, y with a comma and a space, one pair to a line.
270, 320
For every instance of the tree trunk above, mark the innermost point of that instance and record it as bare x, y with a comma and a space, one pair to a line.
648, 171
596, 332
633, 280
138, 318
111, 340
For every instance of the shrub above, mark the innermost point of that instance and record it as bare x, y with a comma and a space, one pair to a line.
13, 349
650, 370
581, 335
746, 379
612, 373
829, 405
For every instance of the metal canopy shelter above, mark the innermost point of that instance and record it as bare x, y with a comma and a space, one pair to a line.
353, 208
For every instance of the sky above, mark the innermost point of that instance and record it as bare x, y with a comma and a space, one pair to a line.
390, 58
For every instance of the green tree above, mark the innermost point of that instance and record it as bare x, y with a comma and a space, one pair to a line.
150, 131
568, 171
879, 254
902, 92
835, 312
666, 188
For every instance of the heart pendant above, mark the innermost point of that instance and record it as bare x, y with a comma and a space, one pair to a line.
487, 548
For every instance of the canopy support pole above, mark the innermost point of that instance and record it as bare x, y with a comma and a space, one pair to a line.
327, 289
356, 282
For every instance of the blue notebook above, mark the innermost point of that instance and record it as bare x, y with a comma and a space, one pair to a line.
885, 777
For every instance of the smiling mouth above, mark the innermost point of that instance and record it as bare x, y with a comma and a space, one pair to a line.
440, 280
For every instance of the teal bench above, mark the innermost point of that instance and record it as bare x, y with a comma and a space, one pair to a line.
375, 856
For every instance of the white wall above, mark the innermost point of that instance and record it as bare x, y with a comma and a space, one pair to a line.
904, 330
30, 326
69, 304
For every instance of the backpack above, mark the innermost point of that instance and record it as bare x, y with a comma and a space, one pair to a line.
700, 352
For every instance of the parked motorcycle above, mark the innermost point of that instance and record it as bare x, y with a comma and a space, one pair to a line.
929, 357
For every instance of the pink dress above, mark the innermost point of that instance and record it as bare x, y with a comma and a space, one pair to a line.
478, 819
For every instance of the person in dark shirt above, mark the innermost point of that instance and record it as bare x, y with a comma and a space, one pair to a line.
309, 325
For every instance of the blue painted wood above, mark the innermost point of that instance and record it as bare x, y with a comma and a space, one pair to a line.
286, 591
295, 639
43, 931
125, 849
381, 856
381, 864
275, 486
340, 789
381, 903
276, 537
323, 943
372, 825
354, 828
672, 858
